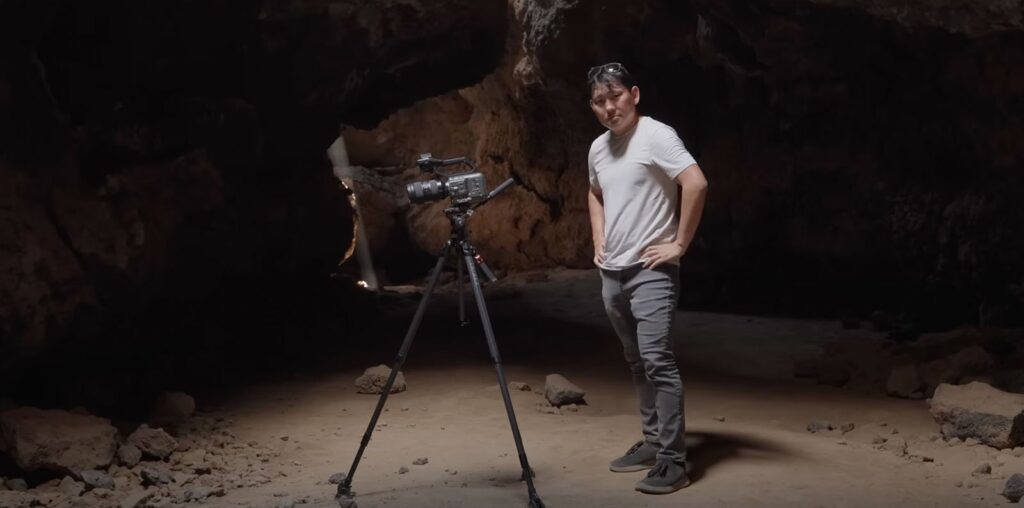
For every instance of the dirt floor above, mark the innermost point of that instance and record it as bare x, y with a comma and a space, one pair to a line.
746, 418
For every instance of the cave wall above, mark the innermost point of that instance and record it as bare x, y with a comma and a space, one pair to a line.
164, 162
163, 183
861, 155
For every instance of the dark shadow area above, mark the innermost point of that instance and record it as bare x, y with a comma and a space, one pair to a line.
706, 450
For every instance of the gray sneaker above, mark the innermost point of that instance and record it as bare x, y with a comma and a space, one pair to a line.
664, 478
641, 456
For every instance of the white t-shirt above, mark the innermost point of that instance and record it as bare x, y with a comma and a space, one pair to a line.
636, 175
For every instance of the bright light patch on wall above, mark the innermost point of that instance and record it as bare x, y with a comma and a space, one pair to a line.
363, 284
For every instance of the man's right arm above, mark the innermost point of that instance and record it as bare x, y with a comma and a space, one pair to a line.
595, 203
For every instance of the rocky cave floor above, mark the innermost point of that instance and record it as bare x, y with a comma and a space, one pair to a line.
749, 422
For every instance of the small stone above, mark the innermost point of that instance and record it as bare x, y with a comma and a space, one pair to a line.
374, 379
548, 409
153, 442
403, 470
284, 438
97, 479
16, 484
560, 391
1014, 489
155, 476
846, 427
70, 487
983, 469
955, 441
572, 407
519, 385
420, 461
816, 426
877, 440
719, 418
971, 442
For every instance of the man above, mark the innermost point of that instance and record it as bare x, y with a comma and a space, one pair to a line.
641, 227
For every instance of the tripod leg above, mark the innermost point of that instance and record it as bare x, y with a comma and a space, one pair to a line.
462, 298
345, 487
492, 343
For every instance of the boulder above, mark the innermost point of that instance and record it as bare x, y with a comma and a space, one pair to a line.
56, 441
979, 411
560, 391
954, 368
903, 381
374, 379
153, 442
173, 407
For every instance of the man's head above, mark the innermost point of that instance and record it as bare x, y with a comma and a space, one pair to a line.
613, 97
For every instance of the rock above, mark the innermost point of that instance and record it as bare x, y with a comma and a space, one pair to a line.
847, 427
57, 441
518, 385
70, 487
420, 461
816, 426
546, 408
718, 418
978, 411
952, 369
337, 478
97, 479
201, 492
983, 469
173, 407
153, 442
403, 470
374, 379
129, 455
1014, 489
155, 476
193, 458
896, 445
137, 499
560, 391
833, 372
16, 484
903, 381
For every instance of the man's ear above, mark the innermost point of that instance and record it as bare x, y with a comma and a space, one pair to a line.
635, 92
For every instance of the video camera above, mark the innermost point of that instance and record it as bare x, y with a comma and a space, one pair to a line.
464, 189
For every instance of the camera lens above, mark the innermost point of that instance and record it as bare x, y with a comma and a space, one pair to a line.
422, 192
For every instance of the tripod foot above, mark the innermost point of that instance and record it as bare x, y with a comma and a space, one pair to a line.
535, 501
345, 497
347, 501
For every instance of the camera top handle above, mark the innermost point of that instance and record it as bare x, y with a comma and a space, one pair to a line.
430, 164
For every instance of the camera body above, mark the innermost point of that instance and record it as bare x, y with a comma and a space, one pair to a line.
464, 189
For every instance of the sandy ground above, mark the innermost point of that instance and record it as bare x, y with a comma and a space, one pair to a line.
746, 418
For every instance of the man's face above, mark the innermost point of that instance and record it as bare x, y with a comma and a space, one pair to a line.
615, 106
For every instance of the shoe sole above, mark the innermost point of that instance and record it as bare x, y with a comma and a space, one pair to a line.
668, 489
629, 469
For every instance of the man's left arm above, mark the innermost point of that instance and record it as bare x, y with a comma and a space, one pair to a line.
691, 206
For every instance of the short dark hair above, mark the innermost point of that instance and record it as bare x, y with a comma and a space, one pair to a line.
612, 72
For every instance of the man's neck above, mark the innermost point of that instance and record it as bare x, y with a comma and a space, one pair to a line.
629, 130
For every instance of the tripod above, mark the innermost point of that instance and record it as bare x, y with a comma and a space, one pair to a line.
464, 252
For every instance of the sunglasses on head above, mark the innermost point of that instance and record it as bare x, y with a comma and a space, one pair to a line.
609, 68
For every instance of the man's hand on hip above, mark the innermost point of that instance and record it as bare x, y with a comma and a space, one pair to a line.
599, 252
662, 253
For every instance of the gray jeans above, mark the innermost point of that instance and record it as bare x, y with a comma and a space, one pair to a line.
641, 304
